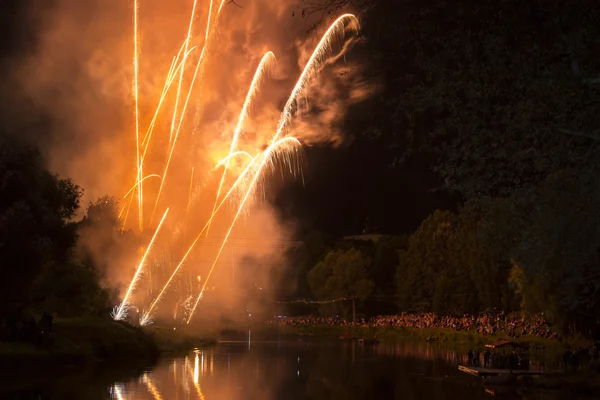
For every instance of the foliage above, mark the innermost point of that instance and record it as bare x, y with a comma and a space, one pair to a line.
560, 250
429, 278
503, 93
72, 289
341, 274
36, 208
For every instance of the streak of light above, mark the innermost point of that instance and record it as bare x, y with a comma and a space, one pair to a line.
176, 135
147, 315
187, 40
267, 60
312, 66
119, 315
266, 157
137, 117
134, 186
189, 204
233, 155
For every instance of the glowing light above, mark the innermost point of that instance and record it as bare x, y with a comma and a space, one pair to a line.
285, 145
282, 150
312, 67
267, 60
122, 309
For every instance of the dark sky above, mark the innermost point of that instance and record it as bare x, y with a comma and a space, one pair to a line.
342, 187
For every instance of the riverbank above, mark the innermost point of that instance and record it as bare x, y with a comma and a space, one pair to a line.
169, 340
441, 336
79, 341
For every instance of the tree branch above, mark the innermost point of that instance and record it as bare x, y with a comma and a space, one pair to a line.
593, 135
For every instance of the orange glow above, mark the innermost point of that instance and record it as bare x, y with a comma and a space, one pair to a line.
211, 135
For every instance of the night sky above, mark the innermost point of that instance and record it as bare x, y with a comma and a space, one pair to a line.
342, 187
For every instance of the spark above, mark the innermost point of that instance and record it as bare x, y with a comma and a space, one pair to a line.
231, 190
162, 182
137, 117
148, 136
134, 186
119, 314
313, 65
187, 40
187, 211
285, 145
267, 60
233, 155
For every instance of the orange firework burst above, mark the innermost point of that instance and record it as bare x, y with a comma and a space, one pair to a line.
242, 168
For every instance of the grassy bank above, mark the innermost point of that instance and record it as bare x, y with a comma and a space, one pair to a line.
442, 336
82, 340
169, 340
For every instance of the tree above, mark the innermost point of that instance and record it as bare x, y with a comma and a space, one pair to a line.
103, 245
504, 94
342, 274
432, 276
558, 256
36, 230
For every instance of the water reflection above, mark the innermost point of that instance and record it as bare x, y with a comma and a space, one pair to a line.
297, 370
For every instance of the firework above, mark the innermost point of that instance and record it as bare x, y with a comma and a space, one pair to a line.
312, 67
122, 309
283, 147
267, 60
282, 151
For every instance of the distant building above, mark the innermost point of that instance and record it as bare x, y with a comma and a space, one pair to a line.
369, 234
372, 237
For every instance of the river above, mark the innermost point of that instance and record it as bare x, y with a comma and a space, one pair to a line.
293, 369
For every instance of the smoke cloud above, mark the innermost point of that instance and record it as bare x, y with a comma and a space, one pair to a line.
82, 76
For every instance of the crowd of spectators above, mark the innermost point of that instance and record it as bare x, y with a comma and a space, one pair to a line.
512, 325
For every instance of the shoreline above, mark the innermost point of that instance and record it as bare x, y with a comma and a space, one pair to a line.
87, 341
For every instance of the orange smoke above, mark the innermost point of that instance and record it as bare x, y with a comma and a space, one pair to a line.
208, 127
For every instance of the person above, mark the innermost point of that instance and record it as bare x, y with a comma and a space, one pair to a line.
486, 358
470, 358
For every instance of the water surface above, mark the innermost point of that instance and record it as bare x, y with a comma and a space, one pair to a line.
281, 370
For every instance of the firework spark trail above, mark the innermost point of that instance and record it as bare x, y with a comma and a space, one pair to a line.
267, 156
175, 68
162, 182
221, 6
312, 66
267, 60
146, 317
134, 186
233, 155
187, 211
169, 80
119, 314
187, 40
137, 117
210, 6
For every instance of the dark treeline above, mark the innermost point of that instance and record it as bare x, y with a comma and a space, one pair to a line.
503, 97
49, 257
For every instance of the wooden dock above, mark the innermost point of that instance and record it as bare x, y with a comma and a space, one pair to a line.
483, 372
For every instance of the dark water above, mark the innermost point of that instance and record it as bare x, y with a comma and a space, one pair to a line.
278, 370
